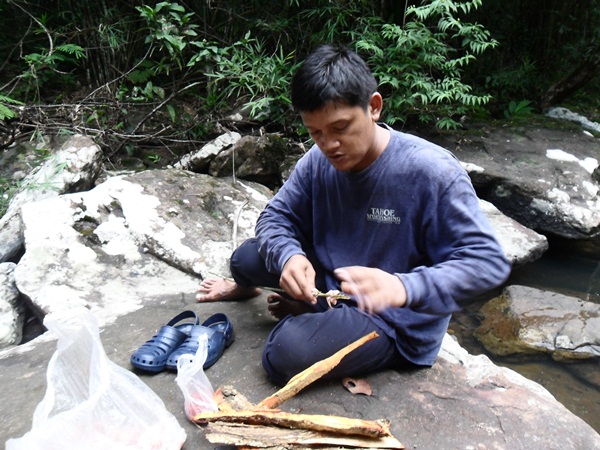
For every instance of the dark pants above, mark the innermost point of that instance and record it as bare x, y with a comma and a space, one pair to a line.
297, 342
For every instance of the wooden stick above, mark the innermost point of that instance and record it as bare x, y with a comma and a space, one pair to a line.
313, 373
260, 436
332, 424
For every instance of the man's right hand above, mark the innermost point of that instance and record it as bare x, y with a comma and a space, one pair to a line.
298, 278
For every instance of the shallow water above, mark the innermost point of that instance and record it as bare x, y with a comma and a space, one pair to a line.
575, 385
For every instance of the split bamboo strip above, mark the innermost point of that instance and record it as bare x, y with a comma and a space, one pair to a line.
313, 373
260, 436
331, 424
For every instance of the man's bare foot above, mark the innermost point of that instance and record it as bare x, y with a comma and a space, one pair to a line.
220, 289
279, 306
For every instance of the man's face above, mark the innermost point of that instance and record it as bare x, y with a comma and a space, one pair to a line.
347, 135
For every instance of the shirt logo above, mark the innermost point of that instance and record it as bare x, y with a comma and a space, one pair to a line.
383, 215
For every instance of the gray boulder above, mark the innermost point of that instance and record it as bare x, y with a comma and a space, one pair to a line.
529, 320
74, 167
199, 161
269, 159
137, 245
130, 228
11, 309
98, 247
462, 402
133, 237
265, 159
565, 114
520, 244
542, 178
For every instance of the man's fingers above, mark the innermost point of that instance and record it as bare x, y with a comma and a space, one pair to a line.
353, 284
347, 284
297, 278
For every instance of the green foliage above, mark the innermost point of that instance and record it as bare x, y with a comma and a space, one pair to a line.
153, 158
334, 21
46, 64
541, 43
170, 28
6, 112
516, 110
515, 81
246, 71
166, 73
420, 65
8, 188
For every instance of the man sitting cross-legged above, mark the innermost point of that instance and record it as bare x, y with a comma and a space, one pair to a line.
390, 219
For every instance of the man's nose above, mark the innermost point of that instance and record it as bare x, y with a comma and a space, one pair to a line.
328, 142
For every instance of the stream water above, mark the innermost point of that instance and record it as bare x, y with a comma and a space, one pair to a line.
575, 385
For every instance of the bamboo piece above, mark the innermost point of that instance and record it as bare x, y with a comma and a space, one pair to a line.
255, 436
237, 413
313, 373
316, 422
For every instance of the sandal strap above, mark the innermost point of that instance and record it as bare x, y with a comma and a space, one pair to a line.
189, 314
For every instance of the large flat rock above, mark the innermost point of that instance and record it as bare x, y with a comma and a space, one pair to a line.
463, 401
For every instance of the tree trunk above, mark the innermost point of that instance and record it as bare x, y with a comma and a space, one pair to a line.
569, 84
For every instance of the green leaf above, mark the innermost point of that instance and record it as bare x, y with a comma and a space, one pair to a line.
6, 112
172, 113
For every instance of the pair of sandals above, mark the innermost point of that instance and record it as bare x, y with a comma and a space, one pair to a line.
174, 339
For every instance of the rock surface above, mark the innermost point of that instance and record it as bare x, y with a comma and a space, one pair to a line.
133, 237
11, 308
98, 247
520, 244
528, 320
74, 167
462, 402
540, 177
199, 161
133, 250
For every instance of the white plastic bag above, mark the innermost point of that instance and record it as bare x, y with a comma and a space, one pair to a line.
92, 403
193, 382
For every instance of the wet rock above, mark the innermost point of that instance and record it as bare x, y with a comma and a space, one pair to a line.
526, 320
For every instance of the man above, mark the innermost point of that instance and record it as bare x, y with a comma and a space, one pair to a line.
386, 217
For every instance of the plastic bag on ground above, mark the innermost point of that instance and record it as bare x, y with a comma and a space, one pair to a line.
193, 382
92, 403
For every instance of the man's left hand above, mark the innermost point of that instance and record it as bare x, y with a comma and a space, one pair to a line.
374, 289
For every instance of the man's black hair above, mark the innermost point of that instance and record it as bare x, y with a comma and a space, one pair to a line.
332, 74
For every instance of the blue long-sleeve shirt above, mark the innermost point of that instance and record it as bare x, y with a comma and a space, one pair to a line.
413, 212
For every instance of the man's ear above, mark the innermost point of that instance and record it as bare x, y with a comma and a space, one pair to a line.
375, 106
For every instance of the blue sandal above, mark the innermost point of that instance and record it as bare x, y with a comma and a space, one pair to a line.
219, 331
152, 356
